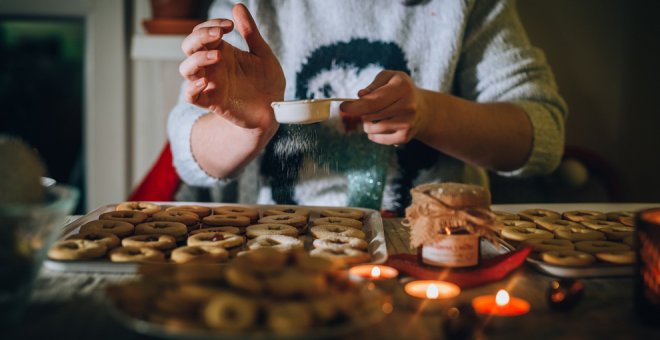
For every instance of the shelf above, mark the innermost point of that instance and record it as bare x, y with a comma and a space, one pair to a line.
157, 47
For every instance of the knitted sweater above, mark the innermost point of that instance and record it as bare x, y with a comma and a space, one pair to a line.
474, 49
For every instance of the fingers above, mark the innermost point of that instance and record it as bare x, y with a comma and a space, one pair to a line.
206, 36
394, 131
192, 68
194, 90
249, 31
378, 95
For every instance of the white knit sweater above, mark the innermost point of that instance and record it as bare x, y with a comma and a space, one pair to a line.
475, 49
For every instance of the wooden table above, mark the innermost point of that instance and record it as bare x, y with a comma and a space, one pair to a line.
68, 306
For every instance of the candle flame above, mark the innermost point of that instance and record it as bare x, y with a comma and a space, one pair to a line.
432, 291
375, 272
502, 298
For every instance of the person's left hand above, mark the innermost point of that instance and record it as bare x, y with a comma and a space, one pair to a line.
390, 108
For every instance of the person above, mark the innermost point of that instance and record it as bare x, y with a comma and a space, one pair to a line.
445, 90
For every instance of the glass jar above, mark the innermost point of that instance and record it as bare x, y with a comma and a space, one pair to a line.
458, 249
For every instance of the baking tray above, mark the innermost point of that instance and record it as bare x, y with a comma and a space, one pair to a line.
373, 228
598, 269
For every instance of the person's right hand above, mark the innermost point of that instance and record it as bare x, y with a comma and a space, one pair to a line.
237, 85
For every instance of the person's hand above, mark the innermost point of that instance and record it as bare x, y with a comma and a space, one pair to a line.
237, 85
390, 108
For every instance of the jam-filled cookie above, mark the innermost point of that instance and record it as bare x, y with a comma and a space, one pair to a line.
68, 250
145, 207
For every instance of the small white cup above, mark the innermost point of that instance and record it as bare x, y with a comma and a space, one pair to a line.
304, 111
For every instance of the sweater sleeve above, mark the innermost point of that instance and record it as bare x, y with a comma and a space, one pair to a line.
498, 64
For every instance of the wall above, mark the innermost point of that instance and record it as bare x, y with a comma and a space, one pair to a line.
605, 57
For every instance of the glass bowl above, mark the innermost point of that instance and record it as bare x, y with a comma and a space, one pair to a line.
26, 233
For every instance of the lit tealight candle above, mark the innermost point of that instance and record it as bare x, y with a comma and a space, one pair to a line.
500, 304
430, 295
374, 272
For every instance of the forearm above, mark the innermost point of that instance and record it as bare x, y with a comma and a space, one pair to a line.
496, 136
222, 149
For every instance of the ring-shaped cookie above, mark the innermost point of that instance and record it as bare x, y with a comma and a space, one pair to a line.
541, 245
347, 222
119, 228
132, 217
340, 242
215, 239
136, 254
199, 210
175, 229
567, 258
109, 239
343, 212
618, 257
522, 234
616, 215
617, 233
583, 215
231, 312
328, 230
556, 224
188, 218
68, 250
199, 254
579, 234
257, 230
593, 247
145, 207
297, 221
293, 210
599, 224
534, 214
505, 216
277, 242
156, 241
252, 214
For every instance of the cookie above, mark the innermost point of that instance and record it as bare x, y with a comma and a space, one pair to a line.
567, 258
68, 250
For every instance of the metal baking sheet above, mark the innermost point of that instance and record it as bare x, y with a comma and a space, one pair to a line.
373, 228
598, 269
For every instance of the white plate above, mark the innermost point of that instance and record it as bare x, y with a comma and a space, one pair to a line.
373, 228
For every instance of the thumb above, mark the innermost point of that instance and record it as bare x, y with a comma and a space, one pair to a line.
247, 28
381, 79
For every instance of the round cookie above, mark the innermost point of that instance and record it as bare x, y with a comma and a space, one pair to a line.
145, 207
215, 239
328, 230
67, 250
583, 215
199, 254
498, 225
627, 221
278, 242
541, 245
175, 229
341, 257
556, 224
579, 234
199, 210
119, 228
252, 214
593, 247
617, 215
270, 229
227, 229
599, 224
293, 210
132, 217
521, 234
343, 212
347, 222
618, 257
340, 242
567, 258
190, 219
109, 239
239, 221
156, 241
534, 214
135, 254
297, 221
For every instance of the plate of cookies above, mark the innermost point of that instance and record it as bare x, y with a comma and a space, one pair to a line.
262, 294
118, 237
573, 240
